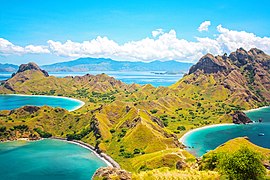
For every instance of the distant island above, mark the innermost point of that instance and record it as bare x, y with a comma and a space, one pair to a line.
8, 67
103, 64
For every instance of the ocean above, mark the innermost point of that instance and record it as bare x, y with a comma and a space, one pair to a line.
209, 138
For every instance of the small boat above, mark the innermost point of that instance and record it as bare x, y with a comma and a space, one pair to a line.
261, 134
260, 120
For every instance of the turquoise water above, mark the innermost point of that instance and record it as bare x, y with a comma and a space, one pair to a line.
9, 102
47, 160
209, 138
137, 77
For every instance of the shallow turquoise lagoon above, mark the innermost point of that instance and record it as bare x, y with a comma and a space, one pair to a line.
202, 140
9, 102
47, 160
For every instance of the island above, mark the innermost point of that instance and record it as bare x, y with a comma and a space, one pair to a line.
139, 127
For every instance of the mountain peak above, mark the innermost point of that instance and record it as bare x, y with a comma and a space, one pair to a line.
255, 51
213, 64
208, 64
31, 66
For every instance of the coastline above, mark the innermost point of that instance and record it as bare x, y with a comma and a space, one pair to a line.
104, 157
58, 97
256, 109
22, 139
182, 139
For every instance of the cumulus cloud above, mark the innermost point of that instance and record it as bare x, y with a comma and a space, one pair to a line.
162, 46
7, 48
204, 26
166, 47
157, 32
231, 40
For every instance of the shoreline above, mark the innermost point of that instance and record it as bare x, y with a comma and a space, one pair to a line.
256, 109
104, 157
57, 97
183, 138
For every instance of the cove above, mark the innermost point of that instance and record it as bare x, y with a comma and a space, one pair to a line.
47, 160
201, 140
14, 101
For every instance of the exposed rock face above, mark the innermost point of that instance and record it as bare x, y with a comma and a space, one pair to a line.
31, 66
28, 109
181, 165
246, 74
240, 58
8, 86
208, 64
240, 118
111, 173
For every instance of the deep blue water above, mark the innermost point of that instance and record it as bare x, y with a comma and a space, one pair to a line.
209, 138
47, 160
9, 102
137, 77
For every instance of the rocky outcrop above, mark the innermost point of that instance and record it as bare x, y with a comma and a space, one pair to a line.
181, 165
158, 121
132, 123
111, 173
8, 86
209, 64
240, 118
31, 66
246, 74
28, 109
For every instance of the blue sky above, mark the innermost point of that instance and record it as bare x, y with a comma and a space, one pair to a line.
35, 22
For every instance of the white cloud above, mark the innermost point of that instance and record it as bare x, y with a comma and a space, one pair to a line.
204, 26
157, 32
231, 40
36, 49
7, 48
162, 46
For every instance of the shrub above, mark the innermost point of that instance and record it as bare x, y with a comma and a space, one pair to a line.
43, 134
112, 130
3, 128
21, 127
243, 164
181, 128
154, 111
136, 151
123, 133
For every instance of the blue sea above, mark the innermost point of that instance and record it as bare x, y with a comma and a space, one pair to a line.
9, 102
155, 78
206, 139
47, 160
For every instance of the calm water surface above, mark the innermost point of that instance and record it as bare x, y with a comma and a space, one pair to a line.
9, 102
47, 160
209, 138
154, 78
